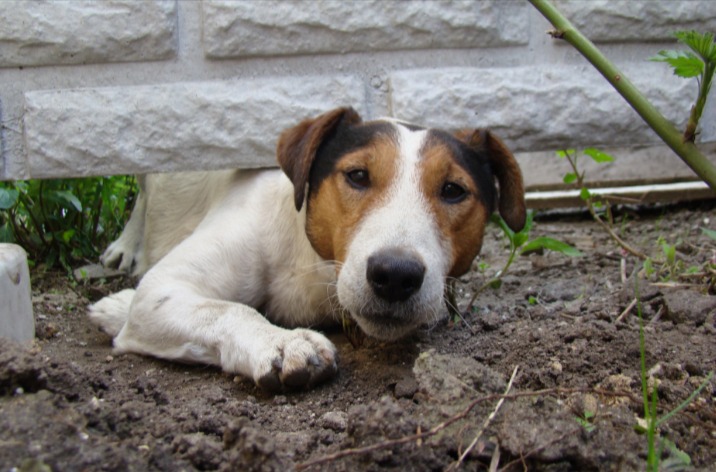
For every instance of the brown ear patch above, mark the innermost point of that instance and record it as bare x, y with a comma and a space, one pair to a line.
462, 224
335, 207
511, 200
297, 146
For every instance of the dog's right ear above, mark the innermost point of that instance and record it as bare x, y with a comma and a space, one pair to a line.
297, 146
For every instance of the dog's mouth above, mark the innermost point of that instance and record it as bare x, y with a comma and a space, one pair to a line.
385, 325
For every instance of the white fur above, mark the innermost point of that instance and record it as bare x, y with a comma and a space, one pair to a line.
403, 221
218, 246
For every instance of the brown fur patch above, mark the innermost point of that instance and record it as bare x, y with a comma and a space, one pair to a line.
461, 224
336, 209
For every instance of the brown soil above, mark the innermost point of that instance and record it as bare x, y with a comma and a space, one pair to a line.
67, 403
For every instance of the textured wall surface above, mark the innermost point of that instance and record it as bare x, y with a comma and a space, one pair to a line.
120, 86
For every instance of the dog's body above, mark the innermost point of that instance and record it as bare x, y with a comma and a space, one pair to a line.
366, 219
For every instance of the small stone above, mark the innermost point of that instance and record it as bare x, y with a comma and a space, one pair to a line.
334, 420
406, 388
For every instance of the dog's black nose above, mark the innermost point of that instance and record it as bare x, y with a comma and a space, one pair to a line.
395, 274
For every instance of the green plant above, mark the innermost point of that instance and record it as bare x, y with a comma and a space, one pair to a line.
678, 459
520, 243
600, 210
684, 148
586, 421
65, 221
686, 64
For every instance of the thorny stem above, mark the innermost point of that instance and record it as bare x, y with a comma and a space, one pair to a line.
590, 206
685, 149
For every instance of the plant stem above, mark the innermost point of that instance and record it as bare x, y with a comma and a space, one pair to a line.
497, 277
688, 152
698, 108
571, 158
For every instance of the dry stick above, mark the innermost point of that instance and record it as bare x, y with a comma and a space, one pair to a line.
537, 449
486, 423
436, 429
622, 266
626, 310
495, 461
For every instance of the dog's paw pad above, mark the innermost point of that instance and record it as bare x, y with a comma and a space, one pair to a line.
305, 358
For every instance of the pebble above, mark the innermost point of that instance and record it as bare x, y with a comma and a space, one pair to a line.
335, 420
406, 388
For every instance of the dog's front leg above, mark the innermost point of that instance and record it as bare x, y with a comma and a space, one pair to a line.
177, 324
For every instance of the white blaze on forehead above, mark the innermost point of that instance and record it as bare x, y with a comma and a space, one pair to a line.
401, 218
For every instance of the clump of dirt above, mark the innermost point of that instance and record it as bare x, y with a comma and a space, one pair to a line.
567, 327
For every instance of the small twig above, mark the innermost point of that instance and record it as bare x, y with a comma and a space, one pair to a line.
436, 429
495, 460
673, 285
657, 316
486, 423
622, 266
626, 310
538, 449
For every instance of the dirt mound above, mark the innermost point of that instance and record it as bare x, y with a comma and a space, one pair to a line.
68, 403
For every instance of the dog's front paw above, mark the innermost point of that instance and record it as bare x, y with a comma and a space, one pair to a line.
300, 358
119, 255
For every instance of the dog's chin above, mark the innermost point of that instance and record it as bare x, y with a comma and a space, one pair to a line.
384, 327
387, 326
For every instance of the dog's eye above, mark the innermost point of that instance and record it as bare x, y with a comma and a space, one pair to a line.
358, 178
452, 193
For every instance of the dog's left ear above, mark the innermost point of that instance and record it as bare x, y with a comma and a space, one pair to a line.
511, 200
297, 146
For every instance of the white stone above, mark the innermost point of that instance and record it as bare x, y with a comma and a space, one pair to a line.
540, 108
186, 126
270, 27
85, 31
638, 20
16, 320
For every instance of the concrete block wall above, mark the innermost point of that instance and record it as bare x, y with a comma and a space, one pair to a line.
126, 86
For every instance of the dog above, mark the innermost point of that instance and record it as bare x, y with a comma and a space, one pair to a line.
367, 219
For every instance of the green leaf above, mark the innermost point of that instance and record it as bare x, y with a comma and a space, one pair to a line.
67, 235
8, 197
709, 232
685, 64
520, 239
569, 177
68, 198
6, 235
585, 194
563, 153
701, 44
551, 244
598, 156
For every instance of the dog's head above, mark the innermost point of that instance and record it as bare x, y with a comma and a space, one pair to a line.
398, 208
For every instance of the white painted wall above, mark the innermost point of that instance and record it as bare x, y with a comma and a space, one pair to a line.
126, 86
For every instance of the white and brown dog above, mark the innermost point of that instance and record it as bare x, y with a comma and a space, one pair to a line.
364, 218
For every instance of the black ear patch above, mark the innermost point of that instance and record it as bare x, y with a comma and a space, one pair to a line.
344, 140
298, 146
474, 161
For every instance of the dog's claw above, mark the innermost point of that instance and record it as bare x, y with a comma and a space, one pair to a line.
270, 382
306, 358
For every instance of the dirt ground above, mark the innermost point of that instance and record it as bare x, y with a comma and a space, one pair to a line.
67, 403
